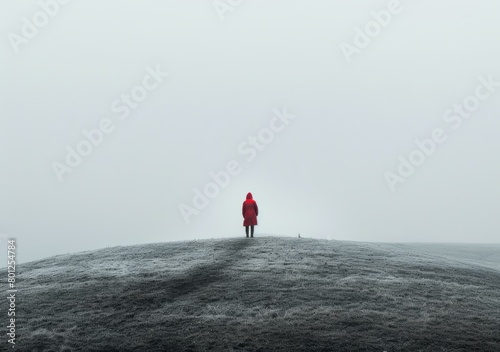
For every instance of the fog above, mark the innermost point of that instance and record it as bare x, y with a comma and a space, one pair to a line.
117, 115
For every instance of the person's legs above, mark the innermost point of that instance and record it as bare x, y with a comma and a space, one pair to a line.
246, 230
252, 230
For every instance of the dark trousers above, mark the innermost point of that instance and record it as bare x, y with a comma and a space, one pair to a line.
251, 230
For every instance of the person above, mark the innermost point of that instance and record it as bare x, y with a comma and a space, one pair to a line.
250, 212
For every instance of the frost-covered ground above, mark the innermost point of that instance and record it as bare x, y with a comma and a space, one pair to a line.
260, 294
487, 255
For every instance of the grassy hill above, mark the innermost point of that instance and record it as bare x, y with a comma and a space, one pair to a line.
260, 294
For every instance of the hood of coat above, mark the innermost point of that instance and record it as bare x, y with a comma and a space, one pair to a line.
249, 195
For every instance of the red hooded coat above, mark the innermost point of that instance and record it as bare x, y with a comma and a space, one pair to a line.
250, 211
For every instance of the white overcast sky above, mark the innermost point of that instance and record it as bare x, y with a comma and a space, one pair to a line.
322, 176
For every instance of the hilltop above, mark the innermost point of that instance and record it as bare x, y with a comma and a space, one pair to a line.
257, 294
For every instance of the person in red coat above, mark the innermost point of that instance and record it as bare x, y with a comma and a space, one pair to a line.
250, 212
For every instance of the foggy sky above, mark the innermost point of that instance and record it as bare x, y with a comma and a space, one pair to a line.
322, 175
